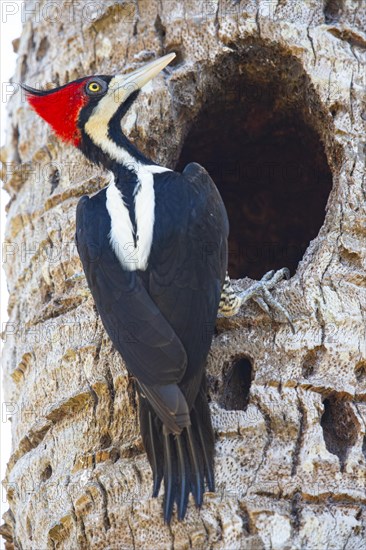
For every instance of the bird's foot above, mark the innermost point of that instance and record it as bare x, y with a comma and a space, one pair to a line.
259, 292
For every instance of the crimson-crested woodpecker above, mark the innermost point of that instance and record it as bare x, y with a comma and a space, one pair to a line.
153, 245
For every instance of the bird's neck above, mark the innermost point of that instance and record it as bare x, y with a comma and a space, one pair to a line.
104, 142
114, 152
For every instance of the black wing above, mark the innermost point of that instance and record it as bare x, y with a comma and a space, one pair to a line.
188, 265
148, 344
162, 325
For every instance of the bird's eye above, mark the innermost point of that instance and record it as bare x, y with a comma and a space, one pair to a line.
95, 87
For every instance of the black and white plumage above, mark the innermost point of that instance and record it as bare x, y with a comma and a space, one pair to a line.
153, 245
161, 316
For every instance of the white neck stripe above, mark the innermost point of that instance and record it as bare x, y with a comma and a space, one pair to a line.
131, 256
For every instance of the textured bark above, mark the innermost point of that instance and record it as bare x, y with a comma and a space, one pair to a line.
289, 409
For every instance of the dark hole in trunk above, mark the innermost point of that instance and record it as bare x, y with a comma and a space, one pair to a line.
272, 173
339, 427
237, 379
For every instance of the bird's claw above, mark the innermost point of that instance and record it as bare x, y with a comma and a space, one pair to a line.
260, 293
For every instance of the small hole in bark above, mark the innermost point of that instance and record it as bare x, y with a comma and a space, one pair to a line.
340, 427
45, 290
105, 441
160, 28
310, 362
237, 379
54, 180
255, 136
42, 48
243, 513
335, 109
364, 446
360, 371
115, 454
47, 472
332, 10
15, 143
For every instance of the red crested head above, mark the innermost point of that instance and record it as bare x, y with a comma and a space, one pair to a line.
87, 112
60, 108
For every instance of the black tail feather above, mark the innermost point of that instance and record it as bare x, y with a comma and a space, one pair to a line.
185, 461
151, 432
197, 483
169, 478
183, 475
207, 456
201, 425
157, 471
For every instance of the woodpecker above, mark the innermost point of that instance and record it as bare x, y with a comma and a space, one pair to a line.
153, 245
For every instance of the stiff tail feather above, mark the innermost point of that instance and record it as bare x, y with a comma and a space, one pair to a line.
184, 461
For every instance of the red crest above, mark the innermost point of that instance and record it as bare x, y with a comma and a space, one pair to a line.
60, 108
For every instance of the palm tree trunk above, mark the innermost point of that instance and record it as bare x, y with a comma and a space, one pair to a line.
269, 96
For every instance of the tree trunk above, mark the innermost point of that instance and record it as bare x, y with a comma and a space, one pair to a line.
269, 97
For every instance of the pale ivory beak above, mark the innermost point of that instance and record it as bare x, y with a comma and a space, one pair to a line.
123, 86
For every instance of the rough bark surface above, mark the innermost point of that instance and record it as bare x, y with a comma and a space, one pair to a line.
289, 410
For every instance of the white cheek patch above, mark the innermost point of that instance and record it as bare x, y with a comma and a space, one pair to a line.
97, 126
